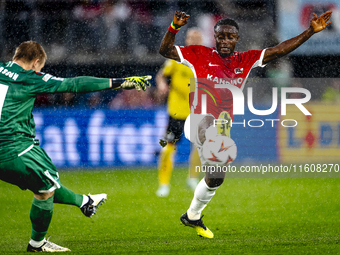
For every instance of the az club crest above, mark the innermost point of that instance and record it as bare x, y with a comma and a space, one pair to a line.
238, 70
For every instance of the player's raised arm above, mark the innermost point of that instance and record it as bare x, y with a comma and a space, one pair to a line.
317, 24
167, 48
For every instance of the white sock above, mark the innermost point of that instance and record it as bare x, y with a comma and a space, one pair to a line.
37, 244
202, 196
85, 200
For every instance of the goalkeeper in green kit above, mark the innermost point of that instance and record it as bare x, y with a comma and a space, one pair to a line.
22, 161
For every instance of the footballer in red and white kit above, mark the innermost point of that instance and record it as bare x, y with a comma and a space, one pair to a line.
209, 64
220, 65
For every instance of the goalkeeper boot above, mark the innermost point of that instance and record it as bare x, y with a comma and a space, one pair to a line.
224, 124
47, 247
198, 225
94, 202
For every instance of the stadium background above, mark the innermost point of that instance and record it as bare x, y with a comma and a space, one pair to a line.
121, 38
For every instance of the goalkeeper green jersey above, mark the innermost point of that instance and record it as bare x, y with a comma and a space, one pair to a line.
18, 91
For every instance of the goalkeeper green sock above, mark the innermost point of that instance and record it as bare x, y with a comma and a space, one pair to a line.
41, 215
65, 196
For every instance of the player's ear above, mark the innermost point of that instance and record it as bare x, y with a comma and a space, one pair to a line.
38, 64
35, 63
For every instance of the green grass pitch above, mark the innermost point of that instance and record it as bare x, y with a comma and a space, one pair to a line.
247, 216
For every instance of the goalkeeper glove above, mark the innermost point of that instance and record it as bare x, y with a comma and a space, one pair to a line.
136, 82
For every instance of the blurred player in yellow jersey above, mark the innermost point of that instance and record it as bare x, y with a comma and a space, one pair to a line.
178, 109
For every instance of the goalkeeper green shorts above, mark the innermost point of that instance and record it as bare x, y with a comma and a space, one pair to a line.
33, 170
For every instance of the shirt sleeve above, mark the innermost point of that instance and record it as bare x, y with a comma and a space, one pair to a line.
42, 83
84, 84
253, 58
188, 54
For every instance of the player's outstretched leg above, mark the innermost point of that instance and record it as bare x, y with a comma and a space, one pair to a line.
47, 246
94, 201
87, 204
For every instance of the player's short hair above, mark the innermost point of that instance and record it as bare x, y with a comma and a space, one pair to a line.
29, 51
226, 21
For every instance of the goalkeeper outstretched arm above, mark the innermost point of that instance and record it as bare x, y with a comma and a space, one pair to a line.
91, 84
